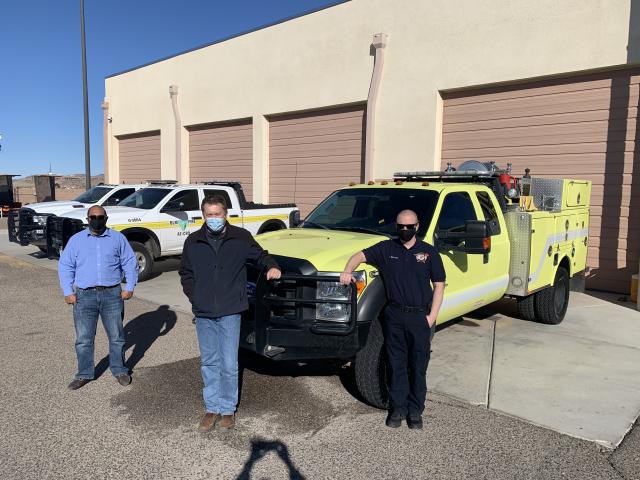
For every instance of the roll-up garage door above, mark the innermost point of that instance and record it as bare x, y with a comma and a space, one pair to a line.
582, 127
311, 154
222, 151
139, 157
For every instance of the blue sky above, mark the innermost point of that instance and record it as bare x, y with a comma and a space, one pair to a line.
41, 119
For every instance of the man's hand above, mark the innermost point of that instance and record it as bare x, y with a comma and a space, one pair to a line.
431, 320
126, 295
273, 274
71, 299
346, 278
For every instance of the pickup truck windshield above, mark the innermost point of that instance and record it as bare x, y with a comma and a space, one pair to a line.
372, 210
93, 195
145, 198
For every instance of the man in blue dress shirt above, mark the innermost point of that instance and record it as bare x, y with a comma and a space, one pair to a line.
94, 262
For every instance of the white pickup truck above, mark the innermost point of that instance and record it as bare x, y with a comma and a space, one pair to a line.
158, 218
28, 225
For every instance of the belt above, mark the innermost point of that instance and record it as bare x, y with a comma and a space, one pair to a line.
410, 309
100, 287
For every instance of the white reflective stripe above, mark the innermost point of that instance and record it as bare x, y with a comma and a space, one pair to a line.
556, 238
474, 293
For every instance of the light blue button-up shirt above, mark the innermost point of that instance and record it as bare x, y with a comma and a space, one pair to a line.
97, 261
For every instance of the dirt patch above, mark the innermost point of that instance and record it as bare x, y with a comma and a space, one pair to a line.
169, 396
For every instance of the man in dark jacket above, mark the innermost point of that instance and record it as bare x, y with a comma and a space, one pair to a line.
214, 278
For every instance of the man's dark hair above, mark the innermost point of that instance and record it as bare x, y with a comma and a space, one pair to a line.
214, 200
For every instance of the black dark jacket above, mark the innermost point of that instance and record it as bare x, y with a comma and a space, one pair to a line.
216, 285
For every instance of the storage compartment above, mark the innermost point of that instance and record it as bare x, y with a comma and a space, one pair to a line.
576, 193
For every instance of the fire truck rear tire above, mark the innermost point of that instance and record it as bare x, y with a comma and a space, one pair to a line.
552, 302
371, 369
526, 307
145, 260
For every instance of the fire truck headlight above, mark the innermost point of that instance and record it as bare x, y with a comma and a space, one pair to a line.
337, 312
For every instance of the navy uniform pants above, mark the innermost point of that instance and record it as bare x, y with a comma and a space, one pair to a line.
408, 345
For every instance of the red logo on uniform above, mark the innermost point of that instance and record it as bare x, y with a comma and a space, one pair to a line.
422, 257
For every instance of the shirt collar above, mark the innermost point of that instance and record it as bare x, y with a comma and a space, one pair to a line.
106, 233
399, 243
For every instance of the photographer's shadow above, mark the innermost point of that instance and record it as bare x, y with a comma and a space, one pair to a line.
140, 333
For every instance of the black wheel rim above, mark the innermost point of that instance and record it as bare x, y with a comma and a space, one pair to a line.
560, 297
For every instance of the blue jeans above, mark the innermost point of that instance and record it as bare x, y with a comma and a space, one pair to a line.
218, 339
109, 306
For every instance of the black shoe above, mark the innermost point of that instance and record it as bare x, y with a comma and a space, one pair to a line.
414, 422
394, 420
123, 379
78, 383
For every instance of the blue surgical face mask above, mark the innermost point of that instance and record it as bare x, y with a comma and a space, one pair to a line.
215, 224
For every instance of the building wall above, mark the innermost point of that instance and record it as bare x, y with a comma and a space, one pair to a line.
324, 59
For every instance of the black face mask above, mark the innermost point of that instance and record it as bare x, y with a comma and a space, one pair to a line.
98, 225
406, 234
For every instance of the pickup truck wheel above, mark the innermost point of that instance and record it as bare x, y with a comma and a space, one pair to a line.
526, 307
371, 369
551, 303
145, 260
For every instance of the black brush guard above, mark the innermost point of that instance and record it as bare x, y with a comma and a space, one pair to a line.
281, 321
59, 231
13, 225
24, 230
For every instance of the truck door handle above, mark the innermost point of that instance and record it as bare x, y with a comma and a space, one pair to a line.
234, 216
196, 218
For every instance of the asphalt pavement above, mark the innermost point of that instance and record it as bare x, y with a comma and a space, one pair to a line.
293, 422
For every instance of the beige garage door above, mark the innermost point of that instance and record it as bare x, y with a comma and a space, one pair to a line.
581, 127
139, 157
222, 151
312, 154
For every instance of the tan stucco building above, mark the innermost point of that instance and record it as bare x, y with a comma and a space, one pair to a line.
364, 88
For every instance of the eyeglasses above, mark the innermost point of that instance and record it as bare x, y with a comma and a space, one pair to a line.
406, 227
97, 217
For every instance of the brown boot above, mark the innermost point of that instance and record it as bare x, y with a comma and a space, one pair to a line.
208, 422
228, 422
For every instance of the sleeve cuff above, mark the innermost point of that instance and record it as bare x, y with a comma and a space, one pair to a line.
68, 291
128, 287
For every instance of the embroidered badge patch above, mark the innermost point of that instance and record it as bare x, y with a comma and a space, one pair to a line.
422, 257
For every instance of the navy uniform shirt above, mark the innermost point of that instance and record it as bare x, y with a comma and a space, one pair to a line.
407, 273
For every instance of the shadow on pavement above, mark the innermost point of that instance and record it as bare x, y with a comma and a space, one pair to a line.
140, 333
259, 449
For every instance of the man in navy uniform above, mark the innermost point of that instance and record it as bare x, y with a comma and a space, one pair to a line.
408, 267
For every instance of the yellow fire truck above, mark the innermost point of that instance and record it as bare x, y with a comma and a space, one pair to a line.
498, 235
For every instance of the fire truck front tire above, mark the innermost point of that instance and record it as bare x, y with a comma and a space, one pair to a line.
145, 260
552, 302
371, 369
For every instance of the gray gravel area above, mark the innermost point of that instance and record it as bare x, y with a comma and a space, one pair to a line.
293, 422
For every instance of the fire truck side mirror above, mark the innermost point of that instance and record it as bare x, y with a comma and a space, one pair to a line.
477, 238
473, 239
294, 219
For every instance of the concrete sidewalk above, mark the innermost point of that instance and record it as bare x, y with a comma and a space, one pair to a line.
579, 378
